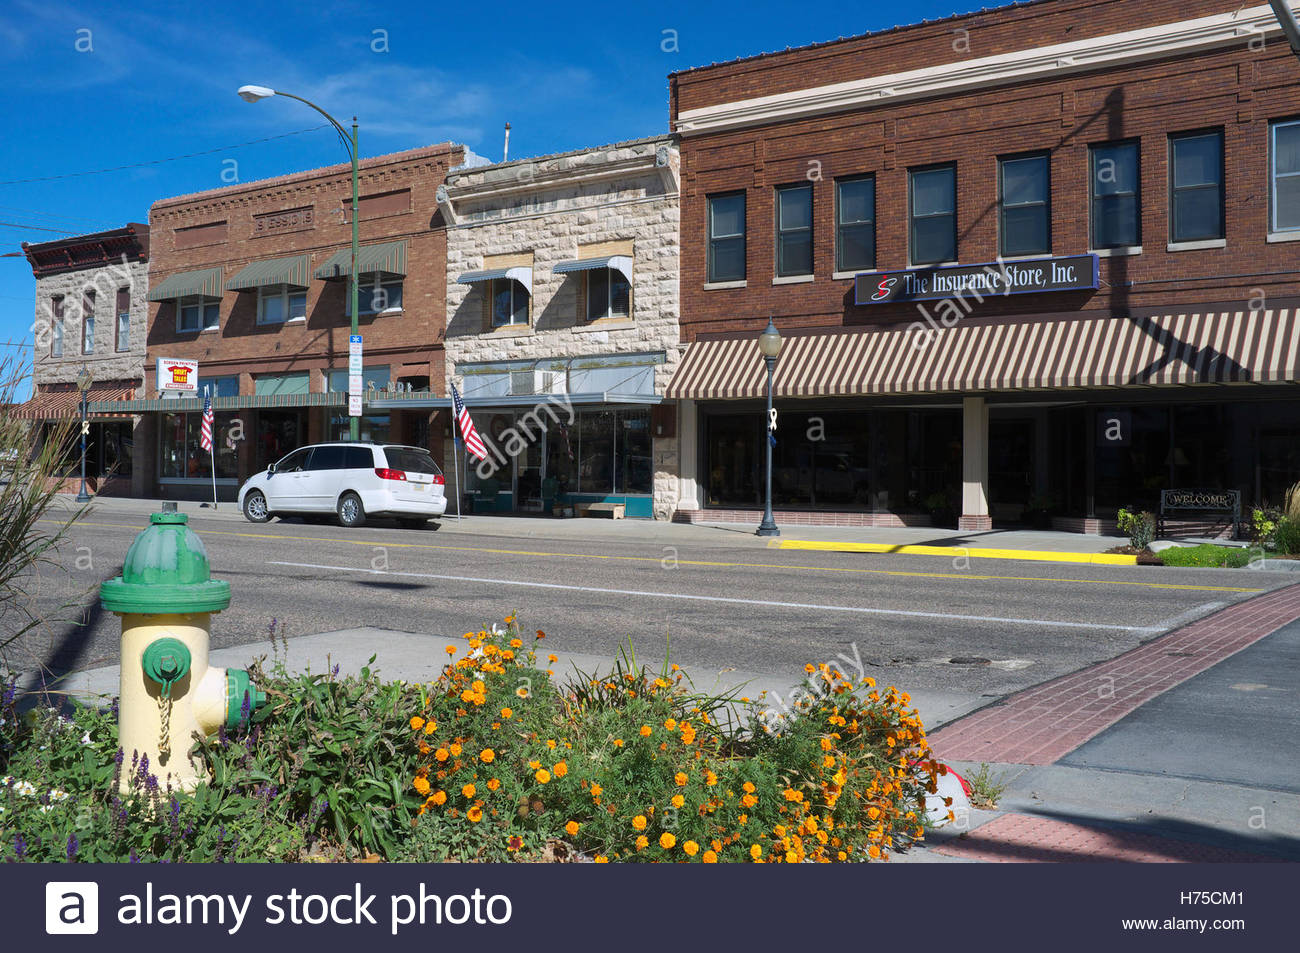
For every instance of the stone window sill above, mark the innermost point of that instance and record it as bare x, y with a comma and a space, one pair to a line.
792, 279
1197, 246
604, 325
1120, 252
723, 285
847, 275
1293, 236
511, 330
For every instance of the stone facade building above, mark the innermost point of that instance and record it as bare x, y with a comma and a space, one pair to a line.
92, 317
1034, 263
251, 282
562, 326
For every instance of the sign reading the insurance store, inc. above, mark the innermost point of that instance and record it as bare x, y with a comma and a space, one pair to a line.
1072, 273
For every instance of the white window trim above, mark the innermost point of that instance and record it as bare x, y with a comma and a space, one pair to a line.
1273, 127
515, 288
723, 285
778, 231
793, 279
1120, 251
284, 293
119, 337
1046, 159
361, 294
56, 331
1292, 235
1198, 245
609, 315
202, 304
848, 275
88, 333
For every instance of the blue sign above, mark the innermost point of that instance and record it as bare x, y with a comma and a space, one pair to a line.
354, 339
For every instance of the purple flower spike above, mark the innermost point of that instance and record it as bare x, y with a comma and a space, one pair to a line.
73, 846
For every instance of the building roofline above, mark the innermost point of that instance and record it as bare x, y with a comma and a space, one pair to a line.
133, 235
626, 143
372, 162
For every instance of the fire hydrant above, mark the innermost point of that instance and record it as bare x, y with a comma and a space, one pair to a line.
165, 598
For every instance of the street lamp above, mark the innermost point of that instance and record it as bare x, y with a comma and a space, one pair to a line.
769, 344
251, 94
84, 380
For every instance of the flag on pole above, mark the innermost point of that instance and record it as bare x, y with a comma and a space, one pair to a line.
473, 442
205, 432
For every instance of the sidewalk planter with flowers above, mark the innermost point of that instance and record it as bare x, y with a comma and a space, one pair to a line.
493, 760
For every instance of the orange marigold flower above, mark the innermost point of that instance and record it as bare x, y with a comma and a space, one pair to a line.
430, 727
748, 787
600, 859
645, 731
756, 852
680, 778
487, 756
475, 814
748, 800
455, 749
507, 713
790, 794
469, 790
873, 852
670, 723
639, 822
642, 842
521, 691
571, 828
516, 644
493, 784
451, 650
541, 634
618, 742
710, 778
691, 848
667, 840
596, 790
438, 797
709, 857
543, 776
678, 800
421, 786
416, 723
560, 769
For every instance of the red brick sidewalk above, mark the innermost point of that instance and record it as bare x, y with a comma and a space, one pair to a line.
1023, 839
1045, 723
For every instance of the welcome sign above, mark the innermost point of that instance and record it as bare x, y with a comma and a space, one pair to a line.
990, 279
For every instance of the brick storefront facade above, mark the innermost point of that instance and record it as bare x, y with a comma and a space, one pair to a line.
1053, 77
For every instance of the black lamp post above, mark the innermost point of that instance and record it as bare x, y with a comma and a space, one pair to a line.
769, 343
84, 379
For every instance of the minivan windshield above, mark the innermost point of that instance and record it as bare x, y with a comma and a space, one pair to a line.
411, 459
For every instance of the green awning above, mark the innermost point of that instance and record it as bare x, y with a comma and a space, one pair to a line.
295, 271
205, 283
387, 258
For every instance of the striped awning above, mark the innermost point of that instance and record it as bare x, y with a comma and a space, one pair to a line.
294, 270
620, 263
205, 283
64, 403
520, 274
237, 402
388, 258
1160, 350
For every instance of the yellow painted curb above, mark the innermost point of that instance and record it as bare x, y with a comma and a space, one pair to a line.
1036, 555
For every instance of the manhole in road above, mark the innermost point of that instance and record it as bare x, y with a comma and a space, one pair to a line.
969, 660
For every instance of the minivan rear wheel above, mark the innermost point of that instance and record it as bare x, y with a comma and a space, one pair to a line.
350, 510
255, 509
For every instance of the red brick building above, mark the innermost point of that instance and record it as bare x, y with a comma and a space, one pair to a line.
1131, 169
251, 282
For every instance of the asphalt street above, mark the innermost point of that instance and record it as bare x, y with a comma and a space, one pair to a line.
721, 600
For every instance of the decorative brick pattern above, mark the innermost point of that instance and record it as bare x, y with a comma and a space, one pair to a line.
1045, 723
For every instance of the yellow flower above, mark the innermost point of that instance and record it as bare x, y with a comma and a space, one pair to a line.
487, 756
493, 784
552, 659
638, 822
516, 644
680, 778
454, 749
791, 794
543, 776
748, 800
451, 650
791, 857
645, 731
417, 723
642, 842
670, 724
475, 814
691, 848
667, 840
756, 852
522, 691
873, 852
710, 778
439, 797
421, 786
507, 713
747, 787
430, 727
618, 742
709, 857
468, 790
596, 790
678, 800
600, 859
560, 769
571, 828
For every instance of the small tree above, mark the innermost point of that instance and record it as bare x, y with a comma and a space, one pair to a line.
33, 526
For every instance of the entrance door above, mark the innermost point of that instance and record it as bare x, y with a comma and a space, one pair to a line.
1011, 466
278, 433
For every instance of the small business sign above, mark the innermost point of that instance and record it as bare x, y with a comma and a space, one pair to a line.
354, 375
174, 375
988, 280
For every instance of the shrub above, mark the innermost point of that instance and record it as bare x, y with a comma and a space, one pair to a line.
1264, 524
1291, 502
1286, 536
1139, 527
1207, 554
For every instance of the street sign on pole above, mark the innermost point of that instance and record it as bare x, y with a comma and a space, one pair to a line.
354, 375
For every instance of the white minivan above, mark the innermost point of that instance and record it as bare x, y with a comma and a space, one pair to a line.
350, 480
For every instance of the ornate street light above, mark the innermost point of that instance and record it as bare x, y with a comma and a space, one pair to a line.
84, 380
769, 344
251, 94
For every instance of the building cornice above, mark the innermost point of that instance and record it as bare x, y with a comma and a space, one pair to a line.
1048, 62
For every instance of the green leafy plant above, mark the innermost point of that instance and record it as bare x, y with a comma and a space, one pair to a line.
1264, 524
986, 787
1286, 536
1139, 527
1207, 555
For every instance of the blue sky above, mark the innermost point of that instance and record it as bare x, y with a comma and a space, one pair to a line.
92, 86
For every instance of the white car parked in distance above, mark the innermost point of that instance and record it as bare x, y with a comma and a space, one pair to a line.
352, 481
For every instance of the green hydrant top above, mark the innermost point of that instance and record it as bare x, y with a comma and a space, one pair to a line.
166, 572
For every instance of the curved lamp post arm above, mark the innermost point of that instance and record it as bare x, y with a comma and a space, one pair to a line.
347, 141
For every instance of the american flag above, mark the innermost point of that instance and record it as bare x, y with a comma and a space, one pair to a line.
205, 432
473, 442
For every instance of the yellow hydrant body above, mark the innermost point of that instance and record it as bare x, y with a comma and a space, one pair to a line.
165, 598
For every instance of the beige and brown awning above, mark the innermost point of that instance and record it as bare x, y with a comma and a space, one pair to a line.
63, 402
1162, 350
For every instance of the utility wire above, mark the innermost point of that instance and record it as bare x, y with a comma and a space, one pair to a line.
140, 165
36, 228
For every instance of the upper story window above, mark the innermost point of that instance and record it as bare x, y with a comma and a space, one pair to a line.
198, 314
1196, 187
123, 319
1115, 193
726, 227
1285, 176
794, 230
56, 326
509, 301
933, 218
1025, 216
609, 294
277, 304
855, 223
376, 294
88, 322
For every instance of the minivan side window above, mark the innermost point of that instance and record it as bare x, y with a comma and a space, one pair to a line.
327, 458
358, 458
294, 461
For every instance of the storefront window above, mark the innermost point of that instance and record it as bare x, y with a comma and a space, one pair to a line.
374, 427
180, 455
596, 452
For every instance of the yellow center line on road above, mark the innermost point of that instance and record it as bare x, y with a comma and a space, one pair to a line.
702, 562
